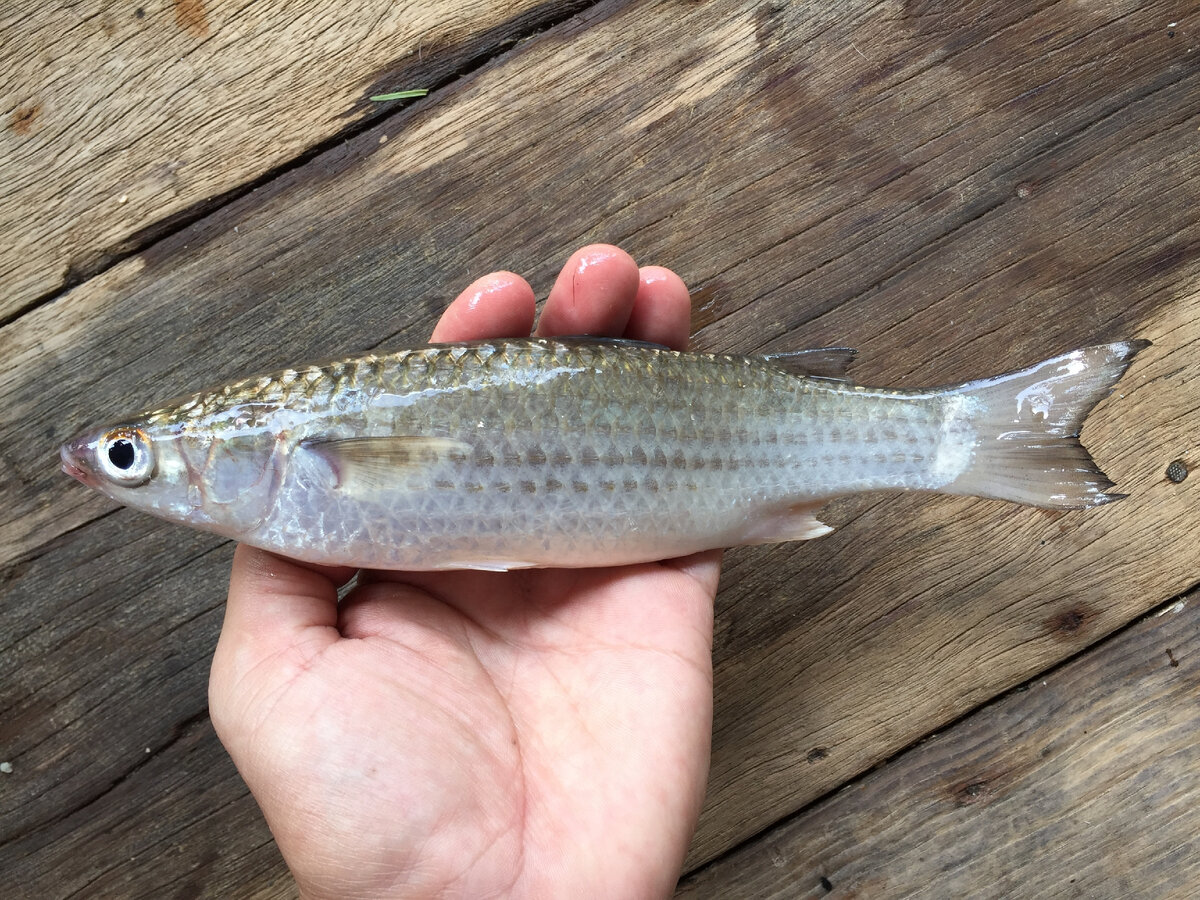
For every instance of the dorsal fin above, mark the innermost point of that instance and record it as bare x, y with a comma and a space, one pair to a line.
603, 339
823, 362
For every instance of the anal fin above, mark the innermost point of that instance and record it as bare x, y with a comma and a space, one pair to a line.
798, 522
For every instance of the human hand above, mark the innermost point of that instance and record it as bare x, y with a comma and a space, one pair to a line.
537, 733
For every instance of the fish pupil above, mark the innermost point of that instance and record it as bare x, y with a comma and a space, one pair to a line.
121, 453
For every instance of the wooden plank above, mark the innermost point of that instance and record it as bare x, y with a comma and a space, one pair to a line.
116, 769
1079, 784
956, 193
955, 604
104, 686
128, 118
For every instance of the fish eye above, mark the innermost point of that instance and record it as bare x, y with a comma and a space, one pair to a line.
124, 456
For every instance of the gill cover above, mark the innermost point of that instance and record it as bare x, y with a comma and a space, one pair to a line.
238, 481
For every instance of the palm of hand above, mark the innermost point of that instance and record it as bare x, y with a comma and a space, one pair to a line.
534, 735
537, 733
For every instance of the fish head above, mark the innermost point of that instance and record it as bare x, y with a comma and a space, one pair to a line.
134, 464
216, 478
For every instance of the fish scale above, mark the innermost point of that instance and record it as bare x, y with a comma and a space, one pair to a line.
578, 452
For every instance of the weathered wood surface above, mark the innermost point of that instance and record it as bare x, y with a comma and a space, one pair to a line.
955, 191
121, 119
1084, 783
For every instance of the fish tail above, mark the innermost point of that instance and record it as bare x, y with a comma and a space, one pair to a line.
1027, 427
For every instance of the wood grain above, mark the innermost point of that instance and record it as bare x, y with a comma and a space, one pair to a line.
955, 601
956, 192
1080, 784
128, 117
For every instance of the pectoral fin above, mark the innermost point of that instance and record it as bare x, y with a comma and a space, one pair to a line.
792, 523
373, 463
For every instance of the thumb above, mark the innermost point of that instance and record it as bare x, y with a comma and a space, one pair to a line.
279, 613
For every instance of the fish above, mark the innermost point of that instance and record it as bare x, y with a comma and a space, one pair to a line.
572, 452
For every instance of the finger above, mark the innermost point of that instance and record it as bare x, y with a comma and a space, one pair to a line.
497, 305
703, 567
662, 310
274, 601
400, 612
594, 293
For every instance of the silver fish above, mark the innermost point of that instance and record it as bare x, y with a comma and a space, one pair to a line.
580, 452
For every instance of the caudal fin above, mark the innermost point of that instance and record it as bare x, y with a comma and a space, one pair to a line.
1028, 425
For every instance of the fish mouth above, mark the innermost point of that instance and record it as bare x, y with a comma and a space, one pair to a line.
72, 454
